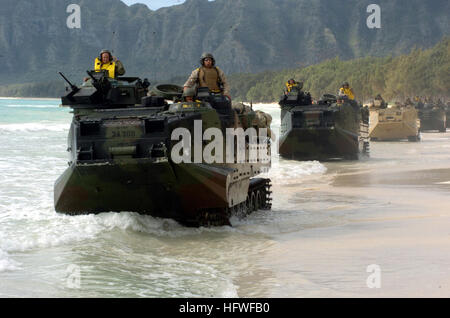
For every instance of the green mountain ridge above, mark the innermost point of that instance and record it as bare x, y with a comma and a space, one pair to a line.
421, 72
246, 36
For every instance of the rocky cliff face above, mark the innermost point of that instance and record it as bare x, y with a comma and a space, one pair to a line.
244, 35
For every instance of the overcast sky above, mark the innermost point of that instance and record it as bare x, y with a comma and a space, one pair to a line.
155, 4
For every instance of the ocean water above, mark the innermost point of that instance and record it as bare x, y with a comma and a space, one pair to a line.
329, 221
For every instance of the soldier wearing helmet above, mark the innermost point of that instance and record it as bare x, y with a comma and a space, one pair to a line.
292, 84
209, 75
379, 102
347, 90
106, 61
188, 94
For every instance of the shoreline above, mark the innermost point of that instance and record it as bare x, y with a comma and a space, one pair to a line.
29, 98
53, 98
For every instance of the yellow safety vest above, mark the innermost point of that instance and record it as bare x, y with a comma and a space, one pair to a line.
110, 67
348, 92
289, 86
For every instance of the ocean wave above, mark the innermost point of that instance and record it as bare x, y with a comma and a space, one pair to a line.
30, 98
33, 127
29, 106
287, 171
57, 230
6, 263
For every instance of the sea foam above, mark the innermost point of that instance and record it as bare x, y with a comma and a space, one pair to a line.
6, 263
34, 127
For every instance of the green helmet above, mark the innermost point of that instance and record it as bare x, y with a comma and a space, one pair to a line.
206, 55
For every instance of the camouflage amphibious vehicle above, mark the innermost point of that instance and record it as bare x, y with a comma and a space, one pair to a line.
331, 129
447, 114
432, 117
394, 123
120, 147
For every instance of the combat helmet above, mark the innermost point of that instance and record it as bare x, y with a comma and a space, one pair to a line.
104, 51
206, 55
188, 92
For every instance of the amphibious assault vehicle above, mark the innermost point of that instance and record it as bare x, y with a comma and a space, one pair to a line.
150, 154
432, 117
394, 123
447, 114
333, 128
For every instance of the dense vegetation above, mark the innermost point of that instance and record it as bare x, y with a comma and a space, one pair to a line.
44, 89
422, 72
245, 36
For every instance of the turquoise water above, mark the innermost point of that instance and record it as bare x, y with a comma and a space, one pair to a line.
329, 221
32, 111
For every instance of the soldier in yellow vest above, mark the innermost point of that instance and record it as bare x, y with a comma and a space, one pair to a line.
188, 94
105, 61
209, 75
347, 90
291, 84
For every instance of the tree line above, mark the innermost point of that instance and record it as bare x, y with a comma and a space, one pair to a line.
421, 72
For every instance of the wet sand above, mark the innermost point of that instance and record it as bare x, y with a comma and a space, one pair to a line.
392, 210
328, 223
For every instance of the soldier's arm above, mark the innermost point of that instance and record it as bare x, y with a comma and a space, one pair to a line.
192, 80
226, 87
120, 70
